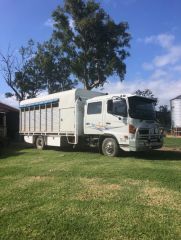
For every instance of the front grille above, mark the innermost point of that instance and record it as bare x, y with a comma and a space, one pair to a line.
144, 131
152, 138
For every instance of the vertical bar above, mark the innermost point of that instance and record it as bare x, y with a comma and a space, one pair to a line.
20, 120
51, 118
59, 119
29, 119
34, 118
25, 119
45, 117
40, 116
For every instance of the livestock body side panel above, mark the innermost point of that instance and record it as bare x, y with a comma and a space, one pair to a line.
43, 119
27, 120
55, 119
37, 119
40, 118
22, 117
32, 120
49, 119
67, 124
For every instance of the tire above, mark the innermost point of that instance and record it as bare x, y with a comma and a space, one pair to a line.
40, 142
110, 147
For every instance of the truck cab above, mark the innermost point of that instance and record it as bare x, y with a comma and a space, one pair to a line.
122, 121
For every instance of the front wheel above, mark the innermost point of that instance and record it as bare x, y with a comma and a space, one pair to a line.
110, 147
40, 143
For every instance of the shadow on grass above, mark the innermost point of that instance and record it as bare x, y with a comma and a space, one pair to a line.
155, 155
16, 149
167, 155
13, 150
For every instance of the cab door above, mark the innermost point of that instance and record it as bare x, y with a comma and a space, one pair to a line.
116, 119
93, 118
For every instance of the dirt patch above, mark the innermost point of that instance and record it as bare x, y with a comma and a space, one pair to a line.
171, 149
155, 196
38, 178
135, 182
94, 189
23, 182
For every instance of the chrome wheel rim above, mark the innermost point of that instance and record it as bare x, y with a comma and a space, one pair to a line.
40, 143
109, 148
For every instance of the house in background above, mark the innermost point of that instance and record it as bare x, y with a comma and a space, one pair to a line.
9, 122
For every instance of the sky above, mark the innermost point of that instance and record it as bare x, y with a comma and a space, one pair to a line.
155, 53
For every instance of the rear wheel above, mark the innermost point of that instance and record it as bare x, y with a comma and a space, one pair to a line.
40, 143
110, 147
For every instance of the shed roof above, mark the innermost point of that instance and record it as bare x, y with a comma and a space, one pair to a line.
6, 108
178, 97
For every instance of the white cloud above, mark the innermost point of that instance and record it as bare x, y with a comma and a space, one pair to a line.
147, 66
164, 89
177, 68
9, 101
158, 73
49, 22
171, 57
164, 40
163, 79
172, 53
115, 3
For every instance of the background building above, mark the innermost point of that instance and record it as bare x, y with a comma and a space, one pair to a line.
9, 122
175, 104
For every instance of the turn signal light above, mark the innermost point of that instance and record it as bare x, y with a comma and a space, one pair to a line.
132, 129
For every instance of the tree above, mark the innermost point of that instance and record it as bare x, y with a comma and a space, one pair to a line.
146, 93
164, 116
21, 74
38, 67
95, 45
55, 67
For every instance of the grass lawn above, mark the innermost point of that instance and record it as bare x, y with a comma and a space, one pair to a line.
172, 142
53, 194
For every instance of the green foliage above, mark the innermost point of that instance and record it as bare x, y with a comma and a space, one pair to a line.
164, 116
146, 93
55, 67
95, 44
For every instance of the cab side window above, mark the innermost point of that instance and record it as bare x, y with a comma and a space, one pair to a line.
117, 107
94, 108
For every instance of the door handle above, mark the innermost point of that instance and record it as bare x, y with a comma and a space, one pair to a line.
108, 123
87, 123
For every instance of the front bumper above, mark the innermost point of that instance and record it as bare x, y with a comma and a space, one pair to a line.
146, 142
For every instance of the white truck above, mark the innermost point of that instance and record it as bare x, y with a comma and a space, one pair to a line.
76, 117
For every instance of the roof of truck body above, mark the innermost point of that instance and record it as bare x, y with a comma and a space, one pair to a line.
66, 97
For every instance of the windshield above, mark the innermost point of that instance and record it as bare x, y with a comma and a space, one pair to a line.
141, 108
